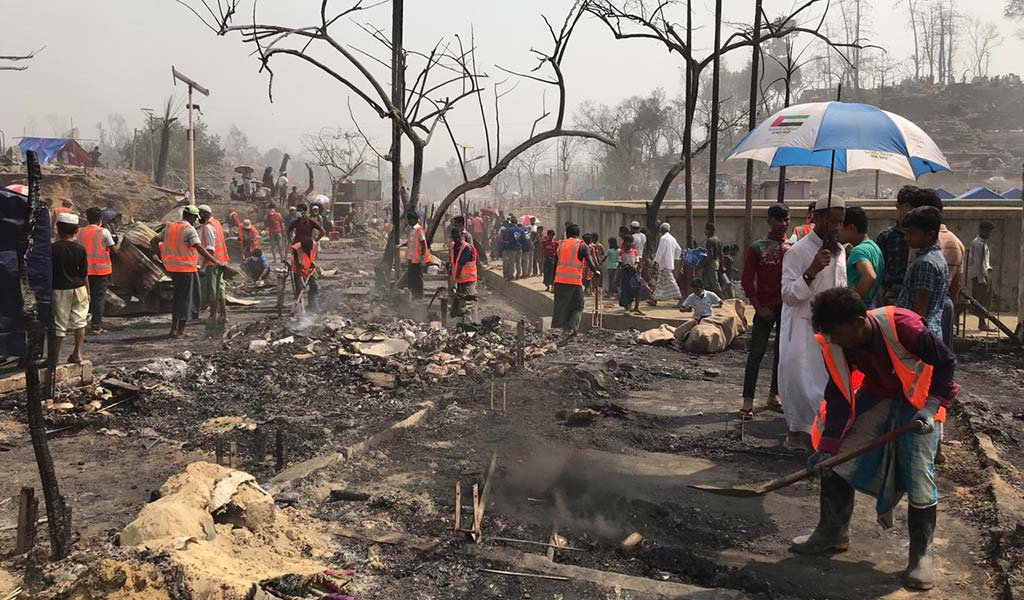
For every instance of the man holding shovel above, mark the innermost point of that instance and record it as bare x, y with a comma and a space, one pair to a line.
908, 381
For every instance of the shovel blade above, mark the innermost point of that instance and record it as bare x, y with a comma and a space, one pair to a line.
735, 492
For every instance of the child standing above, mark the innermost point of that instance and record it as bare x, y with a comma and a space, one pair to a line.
926, 283
611, 264
700, 301
70, 286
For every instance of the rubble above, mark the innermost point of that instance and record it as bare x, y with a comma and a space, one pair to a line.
222, 529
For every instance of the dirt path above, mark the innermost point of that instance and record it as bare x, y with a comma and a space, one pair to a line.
615, 476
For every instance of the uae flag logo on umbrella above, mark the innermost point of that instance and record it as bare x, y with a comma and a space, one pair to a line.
790, 120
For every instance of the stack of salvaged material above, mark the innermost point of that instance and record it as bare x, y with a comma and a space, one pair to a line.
138, 283
711, 334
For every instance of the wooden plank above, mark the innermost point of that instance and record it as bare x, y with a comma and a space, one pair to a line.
391, 538
28, 513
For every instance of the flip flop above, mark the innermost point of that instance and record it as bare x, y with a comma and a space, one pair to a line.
746, 414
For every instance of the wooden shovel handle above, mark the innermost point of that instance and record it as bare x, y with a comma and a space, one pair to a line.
839, 459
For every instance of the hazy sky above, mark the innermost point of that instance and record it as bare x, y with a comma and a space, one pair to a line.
115, 56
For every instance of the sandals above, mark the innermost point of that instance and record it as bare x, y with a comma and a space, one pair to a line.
773, 404
746, 414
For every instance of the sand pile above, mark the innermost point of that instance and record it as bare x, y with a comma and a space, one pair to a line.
225, 532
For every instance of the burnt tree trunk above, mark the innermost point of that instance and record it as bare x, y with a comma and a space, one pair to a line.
165, 145
57, 513
691, 104
748, 212
782, 170
309, 189
716, 71
398, 99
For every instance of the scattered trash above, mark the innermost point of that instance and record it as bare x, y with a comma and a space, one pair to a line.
166, 368
258, 345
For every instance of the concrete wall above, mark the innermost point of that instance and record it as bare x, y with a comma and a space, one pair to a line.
962, 217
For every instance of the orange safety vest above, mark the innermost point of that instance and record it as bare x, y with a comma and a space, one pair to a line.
220, 248
570, 268
178, 258
468, 274
914, 374
97, 255
254, 237
802, 230
416, 249
59, 211
303, 265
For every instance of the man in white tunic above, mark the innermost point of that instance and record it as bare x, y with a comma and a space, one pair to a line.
809, 267
665, 258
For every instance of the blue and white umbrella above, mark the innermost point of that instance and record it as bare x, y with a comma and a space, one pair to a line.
863, 137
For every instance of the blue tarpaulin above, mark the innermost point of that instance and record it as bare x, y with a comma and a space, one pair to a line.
14, 210
1012, 194
945, 194
47, 149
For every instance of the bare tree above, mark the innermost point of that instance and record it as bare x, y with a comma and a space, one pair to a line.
341, 153
912, 6
17, 58
644, 20
441, 78
983, 38
549, 62
566, 151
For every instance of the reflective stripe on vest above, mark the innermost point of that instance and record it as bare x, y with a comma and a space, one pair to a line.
914, 374
305, 264
569, 269
220, 248
416, 249
97, 255
468, 273
178, 258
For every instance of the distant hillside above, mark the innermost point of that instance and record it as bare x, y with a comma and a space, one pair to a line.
979, 126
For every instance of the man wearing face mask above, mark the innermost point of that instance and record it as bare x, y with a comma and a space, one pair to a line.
814, 264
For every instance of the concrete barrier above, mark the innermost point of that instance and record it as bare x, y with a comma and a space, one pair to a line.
962, 217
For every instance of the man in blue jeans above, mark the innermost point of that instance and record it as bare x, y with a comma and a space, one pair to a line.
762, 282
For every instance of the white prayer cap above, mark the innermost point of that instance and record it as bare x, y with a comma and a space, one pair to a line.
837, 202
666, 227
635, 224
68, 218
205, 208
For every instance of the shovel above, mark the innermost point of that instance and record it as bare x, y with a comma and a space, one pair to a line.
788, 480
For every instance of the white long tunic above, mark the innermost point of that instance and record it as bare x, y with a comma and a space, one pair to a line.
802, 373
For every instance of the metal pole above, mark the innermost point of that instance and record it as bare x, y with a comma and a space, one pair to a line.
191, 152
135, 149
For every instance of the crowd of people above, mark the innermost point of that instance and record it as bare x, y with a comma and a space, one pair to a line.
863, 336
864, 333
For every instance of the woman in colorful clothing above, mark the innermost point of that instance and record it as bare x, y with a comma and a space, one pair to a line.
628, 279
